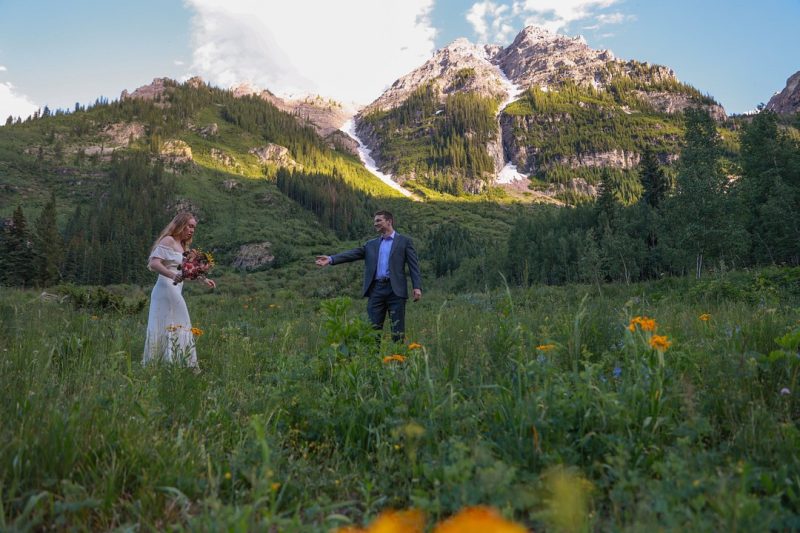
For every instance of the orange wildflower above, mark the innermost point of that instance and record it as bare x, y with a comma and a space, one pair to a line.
545, 347
660, 343
396, 357
197, 332
414, 346
705, 317
645, 323
478, 520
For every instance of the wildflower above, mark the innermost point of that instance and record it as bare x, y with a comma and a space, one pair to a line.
545, 347
645, 323
396, 357
660, 343
617, 372
478, 520
414, 346
705, 317
173, 327
95, 317
273, 306
228, 475
785, 391
410, 521
275, 486
197, 332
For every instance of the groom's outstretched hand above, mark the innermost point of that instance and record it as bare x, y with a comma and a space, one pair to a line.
323, 260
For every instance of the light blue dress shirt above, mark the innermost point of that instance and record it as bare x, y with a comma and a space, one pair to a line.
383, 256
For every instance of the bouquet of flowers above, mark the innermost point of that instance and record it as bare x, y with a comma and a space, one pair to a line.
196, 264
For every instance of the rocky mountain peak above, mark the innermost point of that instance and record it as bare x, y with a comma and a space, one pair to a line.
459, 66
788, 100
149, 92
540, 57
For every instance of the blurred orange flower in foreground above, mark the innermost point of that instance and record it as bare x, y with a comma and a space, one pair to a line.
410, 521
396, 357
478, 520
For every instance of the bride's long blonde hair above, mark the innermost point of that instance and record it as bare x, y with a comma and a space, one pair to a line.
175, 228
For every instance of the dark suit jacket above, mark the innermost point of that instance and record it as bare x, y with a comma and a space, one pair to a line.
402, 254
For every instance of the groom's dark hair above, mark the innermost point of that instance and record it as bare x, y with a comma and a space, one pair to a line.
386, 215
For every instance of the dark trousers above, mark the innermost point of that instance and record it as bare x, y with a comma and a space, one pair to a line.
383, 299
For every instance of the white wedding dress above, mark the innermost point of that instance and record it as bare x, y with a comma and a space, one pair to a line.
169, 328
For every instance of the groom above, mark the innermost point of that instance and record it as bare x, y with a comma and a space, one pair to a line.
385, 258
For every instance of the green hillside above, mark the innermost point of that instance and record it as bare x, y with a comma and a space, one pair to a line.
442, 145
91, 189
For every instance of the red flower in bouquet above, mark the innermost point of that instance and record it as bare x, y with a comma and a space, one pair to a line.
196, 264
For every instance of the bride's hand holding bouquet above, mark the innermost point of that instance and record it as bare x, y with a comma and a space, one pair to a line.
196, 264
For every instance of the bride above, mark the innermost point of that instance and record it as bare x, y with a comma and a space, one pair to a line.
169, 328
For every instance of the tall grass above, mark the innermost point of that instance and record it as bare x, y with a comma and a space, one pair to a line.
297, 423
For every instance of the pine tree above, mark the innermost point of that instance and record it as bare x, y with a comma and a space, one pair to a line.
655, 183
48, 245
19, 256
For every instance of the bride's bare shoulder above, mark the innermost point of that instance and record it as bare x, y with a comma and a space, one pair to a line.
170, 242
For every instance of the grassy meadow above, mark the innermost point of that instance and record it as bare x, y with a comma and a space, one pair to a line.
670, 405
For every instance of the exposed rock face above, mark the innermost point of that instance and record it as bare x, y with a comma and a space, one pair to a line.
460, 66
575, 185
123, 133
149, 92
176, 151
342, 142
326, 116
223, 158
254, 256
788, 100
209, 131
667, 102
539, 57
274, 154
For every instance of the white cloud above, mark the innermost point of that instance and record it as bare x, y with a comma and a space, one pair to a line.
492, 22
178, 63
350, 50
3, 68
14, 104
555, 15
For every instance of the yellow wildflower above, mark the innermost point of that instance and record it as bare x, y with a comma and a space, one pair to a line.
95, 317
545, 347
478, 520
414, 346
660, 343
396, 357
410, 521
197, 332
705, 317
228, 475
275, 486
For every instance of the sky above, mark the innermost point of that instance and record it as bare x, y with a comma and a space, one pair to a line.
62, 52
